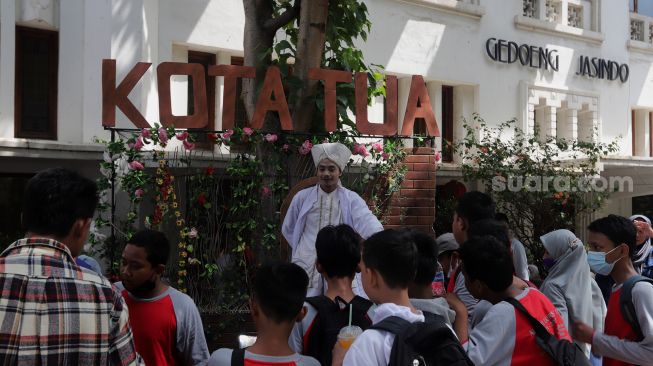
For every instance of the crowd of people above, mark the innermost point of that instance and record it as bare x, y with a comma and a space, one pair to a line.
352, 294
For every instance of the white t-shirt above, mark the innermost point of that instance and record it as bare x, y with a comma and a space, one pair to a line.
373, 346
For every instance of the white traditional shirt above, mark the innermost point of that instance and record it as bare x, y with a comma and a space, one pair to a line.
310, 210
325, 212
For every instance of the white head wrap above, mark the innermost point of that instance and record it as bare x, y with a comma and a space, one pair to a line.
646, 247
334, 151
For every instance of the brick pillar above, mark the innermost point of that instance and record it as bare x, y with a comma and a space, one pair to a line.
414, 204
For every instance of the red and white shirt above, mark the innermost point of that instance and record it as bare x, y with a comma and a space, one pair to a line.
506, 337
616, 344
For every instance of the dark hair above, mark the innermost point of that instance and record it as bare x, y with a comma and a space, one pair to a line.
500, 216
54, 199
280, 290
338, 250
491, 227
393, 255
427, 256
618, 229
487, 260
155, 243
474, 206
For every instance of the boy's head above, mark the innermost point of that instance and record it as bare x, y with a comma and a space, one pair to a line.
448, 255
487, 266
471, 207
279, 292
613, 235
338, 251
60, 204
389, 263
491, 227
143, 261
427, 257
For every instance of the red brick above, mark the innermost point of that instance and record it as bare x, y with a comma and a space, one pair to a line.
423, 167
395, 227
417, 159
423, 184
432, 175
425, 220
399, 220
419, 175
408, 183
420, 211
413, 202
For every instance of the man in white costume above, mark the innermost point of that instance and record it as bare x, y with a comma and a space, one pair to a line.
327, 203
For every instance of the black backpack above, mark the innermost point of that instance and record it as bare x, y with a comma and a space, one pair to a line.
561, 351
238, 357
626, 304
331, 317
429, 343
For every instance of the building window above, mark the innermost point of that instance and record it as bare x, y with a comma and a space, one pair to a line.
447, 123
573, 13
561, 114
35, 104
12, 187
642, 128
204, 59
642, 7
641, 20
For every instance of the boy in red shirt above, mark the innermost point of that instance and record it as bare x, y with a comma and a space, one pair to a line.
612, 242
505, 336
166, 323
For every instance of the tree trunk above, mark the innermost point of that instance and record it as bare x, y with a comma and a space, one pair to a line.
310, 47
257, 42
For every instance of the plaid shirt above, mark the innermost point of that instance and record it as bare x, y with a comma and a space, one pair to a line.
52, 312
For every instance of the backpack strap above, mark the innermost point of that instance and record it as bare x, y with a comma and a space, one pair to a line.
322, 303
392, 324
238, 357
626, 303
540, 330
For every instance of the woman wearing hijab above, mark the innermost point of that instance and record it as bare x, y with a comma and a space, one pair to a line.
569, 284
644, 259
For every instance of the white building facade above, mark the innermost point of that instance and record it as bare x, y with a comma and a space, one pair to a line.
567, 67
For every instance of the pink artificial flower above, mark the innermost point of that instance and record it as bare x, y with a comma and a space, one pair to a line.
145, 132
438, 156
163, 136
285, 147
138, 193
227, 135
271, 137
181, 136
360, 149
385, 156
188, 145
248, 131
266, 191
377, 147
192, 233
139, 144
305, 148
130, 145
136, 165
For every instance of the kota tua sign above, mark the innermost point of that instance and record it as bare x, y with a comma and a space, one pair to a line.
271, 98
510, 52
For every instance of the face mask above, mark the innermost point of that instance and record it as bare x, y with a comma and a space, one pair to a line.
548, 263
597, 262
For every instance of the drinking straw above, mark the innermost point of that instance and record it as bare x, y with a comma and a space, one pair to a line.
350, 310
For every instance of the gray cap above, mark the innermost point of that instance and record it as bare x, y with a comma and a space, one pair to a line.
446, 242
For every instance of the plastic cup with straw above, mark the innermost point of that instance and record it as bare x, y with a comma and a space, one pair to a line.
349, 333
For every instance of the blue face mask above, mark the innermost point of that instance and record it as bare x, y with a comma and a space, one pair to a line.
548, 263
597, 262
